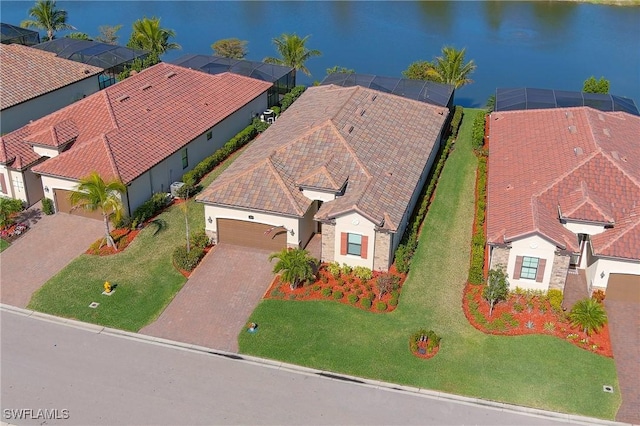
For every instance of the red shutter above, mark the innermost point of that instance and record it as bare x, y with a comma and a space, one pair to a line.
3, 185
364, 247
343, 243
516, 272
540, 273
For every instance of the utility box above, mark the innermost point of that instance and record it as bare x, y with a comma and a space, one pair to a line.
175, 186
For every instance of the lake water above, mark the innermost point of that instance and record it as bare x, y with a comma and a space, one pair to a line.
544, 44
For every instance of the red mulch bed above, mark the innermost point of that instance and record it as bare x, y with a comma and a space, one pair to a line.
122, 238
186, 273
14, 231
539, 315
427, 354
350, 286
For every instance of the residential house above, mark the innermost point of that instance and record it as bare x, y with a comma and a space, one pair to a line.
348, 163
37, 83
147, 131
564, 197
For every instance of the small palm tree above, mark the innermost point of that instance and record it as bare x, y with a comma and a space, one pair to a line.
293, 52
296, 265
47, 17
588, 314
451, 69
93, 193
147, 34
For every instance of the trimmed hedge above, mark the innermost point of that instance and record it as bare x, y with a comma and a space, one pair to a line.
409, 243
290, 97
478, 242
477, 133
47, 206
149, 209
192, 177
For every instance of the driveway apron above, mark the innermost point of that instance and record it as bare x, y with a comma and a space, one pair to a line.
215, 303
46, 248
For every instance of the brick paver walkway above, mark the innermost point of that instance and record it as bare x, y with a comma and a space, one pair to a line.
215, 303
624, 327
47, 247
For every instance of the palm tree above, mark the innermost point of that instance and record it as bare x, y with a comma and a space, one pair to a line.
293, 52
588, 314
147, 34
451, 69
47, 17
93, 193
296, 265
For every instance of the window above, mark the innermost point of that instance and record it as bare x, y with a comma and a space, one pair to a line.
185, 159
354, 244
209, 135
17, 183
529, 268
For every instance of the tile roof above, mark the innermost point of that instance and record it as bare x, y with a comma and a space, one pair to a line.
376, 143
575, 163
26, 73
126, 129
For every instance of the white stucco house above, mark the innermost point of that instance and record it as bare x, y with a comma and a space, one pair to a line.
147, 131
563, 198
348, 163
36, 83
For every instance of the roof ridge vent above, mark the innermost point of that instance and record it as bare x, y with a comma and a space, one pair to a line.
171, 74
373, 97
122, 98
146, 87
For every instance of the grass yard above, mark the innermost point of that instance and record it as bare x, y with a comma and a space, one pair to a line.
3, 245
535, 371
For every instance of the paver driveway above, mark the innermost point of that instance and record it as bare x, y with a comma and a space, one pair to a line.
47, 247
215, 303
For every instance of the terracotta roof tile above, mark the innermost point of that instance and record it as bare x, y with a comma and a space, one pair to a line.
137, 123
376, 142
26, 73
578, 162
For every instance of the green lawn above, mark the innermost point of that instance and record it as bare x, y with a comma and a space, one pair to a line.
3, 245
535, 371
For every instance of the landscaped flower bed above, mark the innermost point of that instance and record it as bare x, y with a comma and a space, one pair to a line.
14, 231
122, 237
345, 288
424, 344
526, 314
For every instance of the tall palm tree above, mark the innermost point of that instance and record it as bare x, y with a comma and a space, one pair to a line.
296, 265
93, 193
47, 17
293, 52
451, 69
147, 34
588, 314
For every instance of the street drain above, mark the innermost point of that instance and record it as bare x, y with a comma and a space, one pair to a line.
607, 388
94, 305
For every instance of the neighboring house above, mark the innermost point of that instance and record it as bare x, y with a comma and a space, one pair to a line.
564, 197
36, 83
11, 34
348, 163
147, 131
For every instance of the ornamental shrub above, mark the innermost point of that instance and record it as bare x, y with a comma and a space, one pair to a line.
365, 302
149, 208
381, 306
326, 292
200, 239
555, 300
393, 301
47, 206
456, 120
346, 269
477, 133
363, 273
187, 261
290, 97
334, 269
338, 294
352, 298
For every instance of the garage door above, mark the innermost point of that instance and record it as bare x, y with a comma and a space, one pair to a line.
624, 287
63, 204
251, 234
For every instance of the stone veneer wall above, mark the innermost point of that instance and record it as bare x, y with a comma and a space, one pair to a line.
559, 271
328, 242
213, 236
499, 256
381, 252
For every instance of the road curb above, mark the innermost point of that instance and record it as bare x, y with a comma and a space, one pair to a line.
391, 387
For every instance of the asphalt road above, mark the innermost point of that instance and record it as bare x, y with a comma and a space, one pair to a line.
86, 377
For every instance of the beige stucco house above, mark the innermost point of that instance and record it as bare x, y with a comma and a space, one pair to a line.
564, 198
344, 162
147, 131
